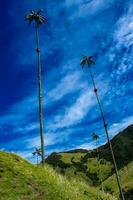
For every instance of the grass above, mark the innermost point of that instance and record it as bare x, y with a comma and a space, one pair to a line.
20, 180
91, 174
104, 169
88, 171
126, 175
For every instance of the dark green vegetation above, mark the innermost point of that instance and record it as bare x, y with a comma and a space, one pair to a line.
83, 164
20, 180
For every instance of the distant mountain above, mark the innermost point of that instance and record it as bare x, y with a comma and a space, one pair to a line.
84, 165
122, 146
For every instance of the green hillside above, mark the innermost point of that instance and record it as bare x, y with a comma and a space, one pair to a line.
122, 146
126, 174
73, 175
83, 165
21, 180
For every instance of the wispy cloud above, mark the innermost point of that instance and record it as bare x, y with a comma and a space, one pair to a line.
88, 146
67, 84
115, 128
123, 34
88, 8
78, 110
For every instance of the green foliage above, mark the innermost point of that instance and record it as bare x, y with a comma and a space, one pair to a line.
128, 193
55, 161
122, 146
84, 165
20, 180
94, 171
82, 169
76, 155
126, 175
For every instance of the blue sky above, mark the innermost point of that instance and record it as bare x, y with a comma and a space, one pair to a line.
102, 28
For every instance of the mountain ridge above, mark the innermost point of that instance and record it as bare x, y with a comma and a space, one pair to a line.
83, 164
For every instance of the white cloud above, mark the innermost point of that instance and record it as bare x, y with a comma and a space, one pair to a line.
124, 33
18, 115
68, 84
114, 129
77, 111
119, 126
122, 45
90, 7
30, 127
89, 146
49, 139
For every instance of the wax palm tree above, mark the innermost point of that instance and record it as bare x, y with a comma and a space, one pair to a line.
95, 137
38, 153
38, 19
88, 60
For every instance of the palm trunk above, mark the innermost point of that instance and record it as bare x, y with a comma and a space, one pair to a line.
40, 95
37, 159
107, 135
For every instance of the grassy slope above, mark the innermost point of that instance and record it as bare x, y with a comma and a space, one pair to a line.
70, 165
66, 157
20, 180
122, 146
126, 175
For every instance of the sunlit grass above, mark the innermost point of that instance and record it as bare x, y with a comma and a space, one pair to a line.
20, 180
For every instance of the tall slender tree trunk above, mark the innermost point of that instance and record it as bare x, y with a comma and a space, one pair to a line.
37, 159
40, 94
107, 135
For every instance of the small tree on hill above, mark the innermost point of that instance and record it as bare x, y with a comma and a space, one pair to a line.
37, 153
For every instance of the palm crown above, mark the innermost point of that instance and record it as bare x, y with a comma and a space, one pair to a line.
87, 60
35, 16
37, 152
95, 136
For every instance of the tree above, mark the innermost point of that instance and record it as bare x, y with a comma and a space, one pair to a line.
88, 60
38, 153
95, 137
38, 19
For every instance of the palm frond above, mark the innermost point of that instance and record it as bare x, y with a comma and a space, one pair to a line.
35, 16
90, 60
87, 60
83, 62
95, 136
37, 152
